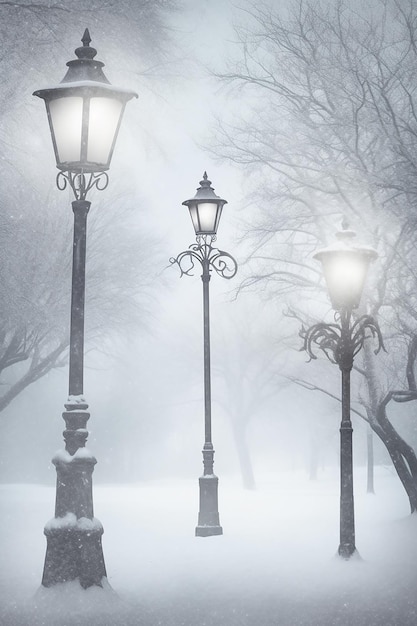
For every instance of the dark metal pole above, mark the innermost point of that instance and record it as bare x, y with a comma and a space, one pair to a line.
207, 364
225, 266
76, 354
74, 549
347, 516
340, 343
208, 517
370, 460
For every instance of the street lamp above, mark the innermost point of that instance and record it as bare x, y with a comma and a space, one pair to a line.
345, 266
205, 212
84, 113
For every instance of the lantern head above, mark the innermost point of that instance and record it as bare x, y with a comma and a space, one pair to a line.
84, 113
345, 267
205, 208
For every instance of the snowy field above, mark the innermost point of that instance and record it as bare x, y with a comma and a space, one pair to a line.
274, 565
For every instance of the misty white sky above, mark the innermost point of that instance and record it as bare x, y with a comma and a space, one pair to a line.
146, 398
148, 401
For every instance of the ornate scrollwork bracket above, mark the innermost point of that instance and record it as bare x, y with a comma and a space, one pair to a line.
341, 342
209, 258
81, 183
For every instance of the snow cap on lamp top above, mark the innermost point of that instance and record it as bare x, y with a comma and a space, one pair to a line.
86, 71
345, 243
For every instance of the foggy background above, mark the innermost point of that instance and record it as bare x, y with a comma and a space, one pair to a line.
144, 374
302, 113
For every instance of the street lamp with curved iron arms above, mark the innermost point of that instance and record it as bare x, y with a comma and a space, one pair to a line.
345, 266
205, 209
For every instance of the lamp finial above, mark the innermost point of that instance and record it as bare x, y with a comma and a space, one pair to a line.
345, 223
346, 235
85, 52
86, 39
205, 183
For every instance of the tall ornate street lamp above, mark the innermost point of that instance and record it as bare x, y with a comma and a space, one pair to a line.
84, 114
345, 266
205, 211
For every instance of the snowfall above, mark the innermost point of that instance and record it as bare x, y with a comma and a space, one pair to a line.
274, 565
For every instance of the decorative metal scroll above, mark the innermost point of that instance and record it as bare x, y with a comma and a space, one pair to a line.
82, 183
207, 256
342, 342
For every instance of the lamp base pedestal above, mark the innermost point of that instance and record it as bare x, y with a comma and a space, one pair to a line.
74, 550
74, 553
347, 551
208, 531
208, 517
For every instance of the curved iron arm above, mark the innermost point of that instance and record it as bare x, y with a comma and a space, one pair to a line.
81, 183
341, 342
358, 336
209, 258
325, 336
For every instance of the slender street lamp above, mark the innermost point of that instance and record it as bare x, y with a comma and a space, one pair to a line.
345, 266
84, 114
205, 211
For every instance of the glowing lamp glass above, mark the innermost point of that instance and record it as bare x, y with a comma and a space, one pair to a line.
345, 273
103, 123
205, 216
84, 130
84, 113
205, 208
66, 117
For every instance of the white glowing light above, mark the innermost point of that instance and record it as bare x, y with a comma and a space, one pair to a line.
345, 266
103, 123
345, 274
66, 116
205, 216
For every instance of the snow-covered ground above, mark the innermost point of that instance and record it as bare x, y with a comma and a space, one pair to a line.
275, 564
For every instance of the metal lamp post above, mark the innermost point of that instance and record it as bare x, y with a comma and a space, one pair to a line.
345, 266
84, 113
205, 211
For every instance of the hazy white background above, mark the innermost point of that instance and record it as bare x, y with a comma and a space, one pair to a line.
275, 563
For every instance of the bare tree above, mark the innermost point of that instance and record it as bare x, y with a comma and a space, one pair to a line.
328, 128
35, 221
245, 370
